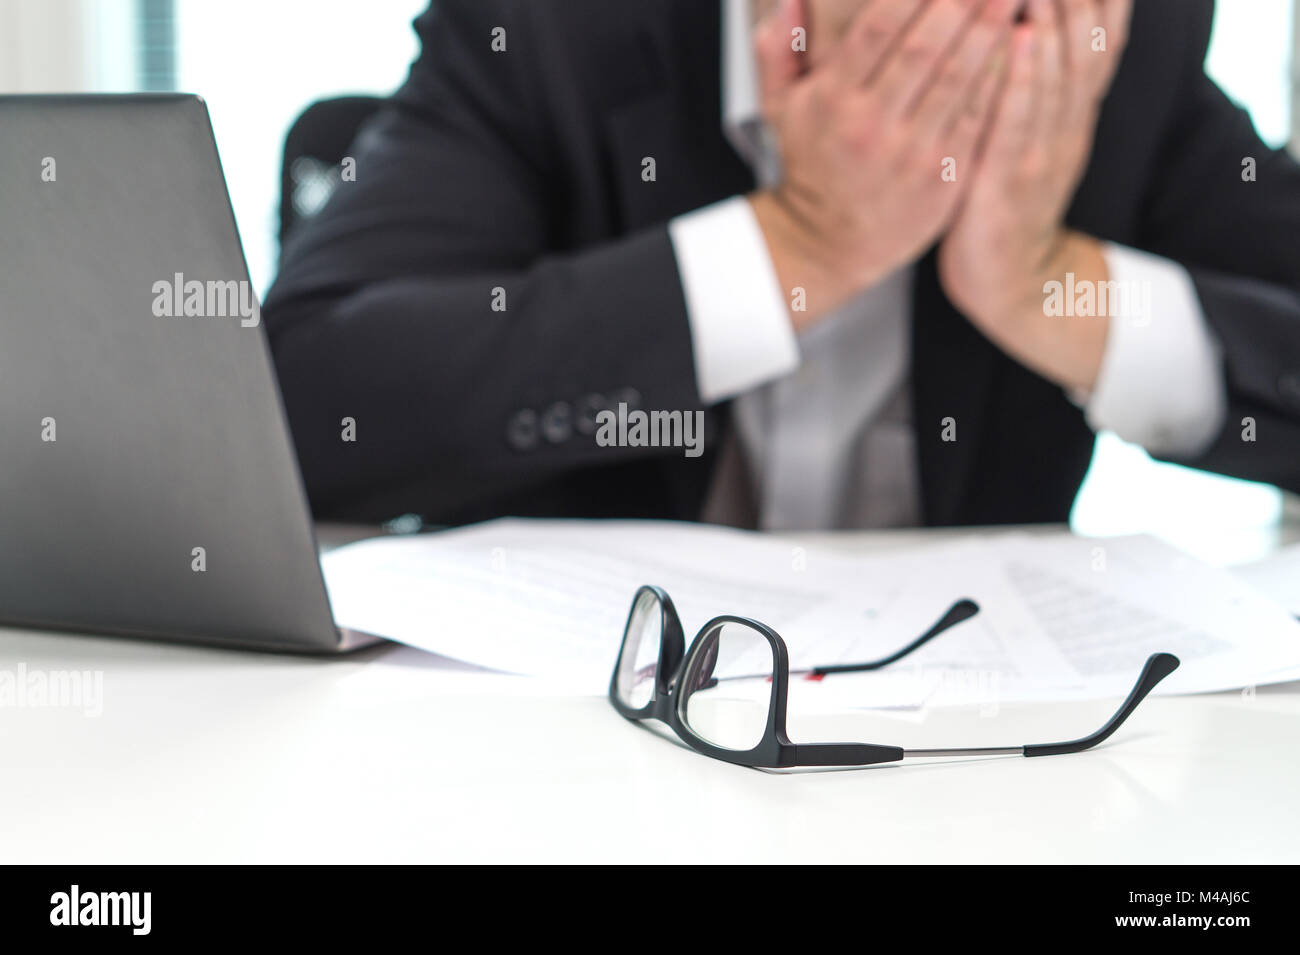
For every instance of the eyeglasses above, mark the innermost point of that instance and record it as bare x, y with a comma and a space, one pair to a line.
657, 678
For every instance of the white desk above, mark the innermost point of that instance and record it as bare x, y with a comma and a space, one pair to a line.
204, 755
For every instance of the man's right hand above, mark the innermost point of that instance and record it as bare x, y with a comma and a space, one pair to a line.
866, 136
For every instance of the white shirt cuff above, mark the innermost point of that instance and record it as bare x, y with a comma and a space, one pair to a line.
1161, 384
740, 325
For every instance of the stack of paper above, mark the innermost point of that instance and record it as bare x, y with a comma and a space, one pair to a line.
1062, 617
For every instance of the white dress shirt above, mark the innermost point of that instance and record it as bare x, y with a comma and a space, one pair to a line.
823, 418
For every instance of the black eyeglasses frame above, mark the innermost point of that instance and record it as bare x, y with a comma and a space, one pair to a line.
676, 664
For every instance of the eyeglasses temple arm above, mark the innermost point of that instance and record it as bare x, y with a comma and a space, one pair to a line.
844, 754
1158, 666
960, 611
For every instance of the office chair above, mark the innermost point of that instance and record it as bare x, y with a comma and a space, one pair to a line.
313, 149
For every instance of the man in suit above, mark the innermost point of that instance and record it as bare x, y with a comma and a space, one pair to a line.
869, 239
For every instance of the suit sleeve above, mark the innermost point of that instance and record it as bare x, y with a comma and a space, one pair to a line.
1238, 235
438, 302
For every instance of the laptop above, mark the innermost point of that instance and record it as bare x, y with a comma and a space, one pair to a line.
148, 484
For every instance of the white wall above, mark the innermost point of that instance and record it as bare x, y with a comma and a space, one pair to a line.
259, 63
1251, 58
43, 48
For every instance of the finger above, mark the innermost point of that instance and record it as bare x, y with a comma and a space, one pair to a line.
779, 65
914, 62
1081, 18
1088, 60
1117, 19
948, 97
1013, 124
966, 130
875, 31
1050, 88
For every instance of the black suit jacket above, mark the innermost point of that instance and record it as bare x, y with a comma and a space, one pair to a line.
521, 170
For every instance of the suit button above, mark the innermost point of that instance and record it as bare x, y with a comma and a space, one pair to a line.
588, 408
557, 423
523, 432
1289, 386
